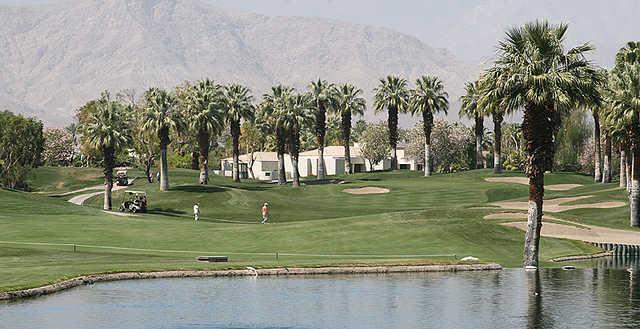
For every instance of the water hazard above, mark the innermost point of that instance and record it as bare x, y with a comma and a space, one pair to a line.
605, 296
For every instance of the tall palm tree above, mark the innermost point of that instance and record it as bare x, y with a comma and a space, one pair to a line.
537, 73
490, 103
607, 162
107, 129
392, 94
293, 117
469, 108
348, 102
271, 106
625, 109
202, 109
322, 97
597, 168
428, 98
237, 105
161, 116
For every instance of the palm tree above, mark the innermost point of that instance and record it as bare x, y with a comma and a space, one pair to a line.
469, 108
107, 129
606, 168
202, 109
322, 98
392, 95
161, 116
597, 172
491, 103
237, 104
348, 102
271, 106
293, 117
428, 98
537, 74
625, 110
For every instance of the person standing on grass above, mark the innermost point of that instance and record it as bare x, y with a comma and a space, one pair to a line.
265, 213
196, 211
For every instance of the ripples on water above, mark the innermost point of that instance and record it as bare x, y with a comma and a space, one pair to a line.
606, 296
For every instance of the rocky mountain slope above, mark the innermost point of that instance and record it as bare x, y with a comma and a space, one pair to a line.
56, 57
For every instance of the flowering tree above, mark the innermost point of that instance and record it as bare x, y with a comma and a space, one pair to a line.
58, 147
375, 147
452, 145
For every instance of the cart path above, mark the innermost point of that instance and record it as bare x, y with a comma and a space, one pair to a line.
80, 199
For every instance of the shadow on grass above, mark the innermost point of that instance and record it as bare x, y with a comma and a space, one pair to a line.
247, 187
324, 181
199, 188
166, 212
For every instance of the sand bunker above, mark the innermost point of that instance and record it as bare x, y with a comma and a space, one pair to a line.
514, 215
556, 205
366, 190
525, 181
587, 233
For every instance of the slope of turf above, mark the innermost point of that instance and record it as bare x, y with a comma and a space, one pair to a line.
420, 220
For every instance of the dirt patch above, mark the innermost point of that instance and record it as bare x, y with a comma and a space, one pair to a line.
525, 181
587, 233
366, 190
557, 205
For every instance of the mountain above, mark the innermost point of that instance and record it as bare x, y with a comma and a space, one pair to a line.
58, 56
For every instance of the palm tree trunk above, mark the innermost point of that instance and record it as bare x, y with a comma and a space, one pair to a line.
108, 153
163, 135
479, 129
497, 144
623, 167
393, 136
203, 156
345, 124
252, 161
164, 172
280, 148
235, 141
427, 159
606, 171
597, 176
427, 124
320, 130
634, 197
147, 169
538, 134
294, 152
629, 167
347, 159
321, 165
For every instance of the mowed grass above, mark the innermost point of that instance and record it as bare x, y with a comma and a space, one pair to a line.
422, 220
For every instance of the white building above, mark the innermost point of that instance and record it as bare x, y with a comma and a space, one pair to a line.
265, 164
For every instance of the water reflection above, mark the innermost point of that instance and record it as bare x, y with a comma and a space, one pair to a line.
605, 296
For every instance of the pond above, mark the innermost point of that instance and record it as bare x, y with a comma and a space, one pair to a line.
605, 296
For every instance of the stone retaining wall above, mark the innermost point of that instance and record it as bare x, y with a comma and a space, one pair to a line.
90, 279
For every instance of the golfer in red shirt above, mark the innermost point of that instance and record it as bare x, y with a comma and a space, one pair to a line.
265, 213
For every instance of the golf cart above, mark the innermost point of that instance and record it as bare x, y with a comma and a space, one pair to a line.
134, 201
121, 178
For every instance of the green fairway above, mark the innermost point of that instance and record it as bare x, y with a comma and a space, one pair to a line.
421, 220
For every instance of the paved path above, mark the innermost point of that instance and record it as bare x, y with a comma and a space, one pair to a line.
80, 199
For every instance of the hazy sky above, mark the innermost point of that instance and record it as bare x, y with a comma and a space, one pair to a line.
467, 28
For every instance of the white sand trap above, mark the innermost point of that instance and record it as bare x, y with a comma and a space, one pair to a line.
525, 181
587, 233
366, 190
556, 205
